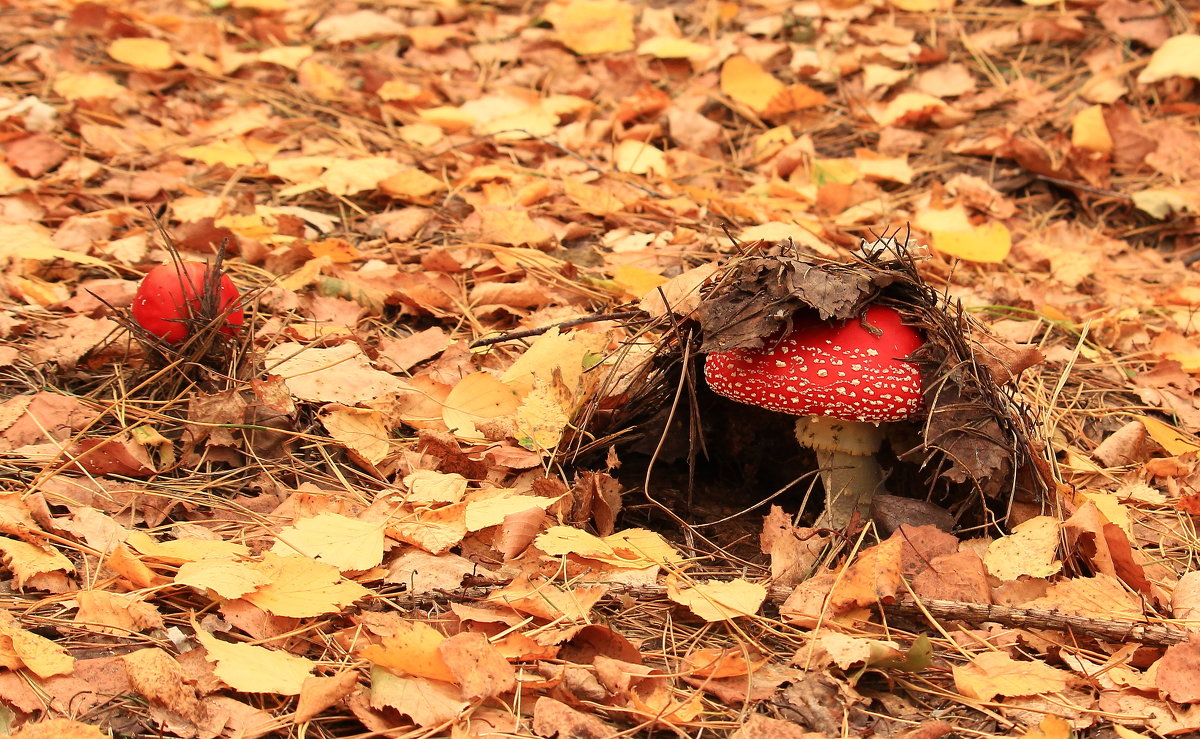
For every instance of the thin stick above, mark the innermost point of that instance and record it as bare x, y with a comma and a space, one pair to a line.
526, 333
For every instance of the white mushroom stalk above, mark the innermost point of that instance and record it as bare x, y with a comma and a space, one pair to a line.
844, 380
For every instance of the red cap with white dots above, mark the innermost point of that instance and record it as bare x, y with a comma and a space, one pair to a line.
854, 372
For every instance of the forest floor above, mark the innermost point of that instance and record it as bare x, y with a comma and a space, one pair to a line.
349, 517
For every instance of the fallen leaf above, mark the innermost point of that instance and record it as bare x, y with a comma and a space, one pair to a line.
994, 674
718, 600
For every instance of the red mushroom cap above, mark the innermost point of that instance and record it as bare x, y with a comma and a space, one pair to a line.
824, 369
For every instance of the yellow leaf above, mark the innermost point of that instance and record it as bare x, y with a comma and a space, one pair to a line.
543, 414
21, 648
350, 176
557, 541
481, 514
300, 587
230, 153
744, 80
87, 86
718, 600
638, 157
185, 548
430, 486
59, 728
995, 673
990, 242
642, 545
26, 560
548, 600
909, 106
669, 47
636, 281
1176, 442
251, 669
592, 26
922, 6
227, 578
360, 430
1089, 131
511, 227
344, 542
1163, 202
411, 650
1030, 549
411, 184
592, 199
1177, 57
477, 397
285, 56
148, 54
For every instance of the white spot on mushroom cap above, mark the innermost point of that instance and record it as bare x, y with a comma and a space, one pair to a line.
779, 378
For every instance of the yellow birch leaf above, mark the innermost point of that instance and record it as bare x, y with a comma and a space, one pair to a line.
1177, 57
87, 86
989, 242
411, 650
227, 578
1176, 442
301, 587
429, 703
909, 106
557, 541
430, 486
592, 26
185, 548
995, 673
147, 54
21, 648
718, 600
745, 81
26, 560
1089, 131
548, 600
922, 6
1030, 549
638, 157
252, 669
481, 514
477, 397
361, 430
412, 185
511, 227
670, 47
344, 542
230, 153
285, 56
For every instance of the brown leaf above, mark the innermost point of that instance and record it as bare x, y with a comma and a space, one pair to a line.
554, 719
1178, 674
320, 693
158, 677
480, 669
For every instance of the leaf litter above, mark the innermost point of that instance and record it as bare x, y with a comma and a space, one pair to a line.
457, 475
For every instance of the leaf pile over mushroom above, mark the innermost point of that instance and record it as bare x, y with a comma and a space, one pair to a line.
973, 426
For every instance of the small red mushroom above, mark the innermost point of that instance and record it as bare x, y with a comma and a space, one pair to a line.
172, 298
843, 380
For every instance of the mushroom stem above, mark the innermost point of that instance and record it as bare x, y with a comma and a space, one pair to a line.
849, 470
851, 482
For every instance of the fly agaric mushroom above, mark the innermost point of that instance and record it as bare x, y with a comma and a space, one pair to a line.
843, 380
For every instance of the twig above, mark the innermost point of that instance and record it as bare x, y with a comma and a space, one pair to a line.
1118, 630
620, 316
1039, 618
